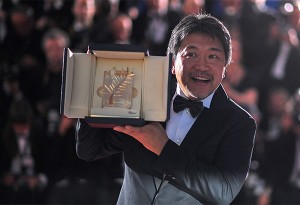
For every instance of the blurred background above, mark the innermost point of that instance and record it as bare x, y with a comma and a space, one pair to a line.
38, 162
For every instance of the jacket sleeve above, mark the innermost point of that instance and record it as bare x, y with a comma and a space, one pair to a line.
211, 183
96, 143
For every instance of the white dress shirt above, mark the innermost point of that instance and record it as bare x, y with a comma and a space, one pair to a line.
180, 123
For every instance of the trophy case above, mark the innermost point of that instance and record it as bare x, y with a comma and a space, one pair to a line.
115, 84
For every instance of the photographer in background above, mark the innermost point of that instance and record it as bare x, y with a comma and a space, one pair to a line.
281, 164
22, 157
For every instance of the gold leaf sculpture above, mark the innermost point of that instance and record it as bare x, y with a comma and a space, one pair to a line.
117, 89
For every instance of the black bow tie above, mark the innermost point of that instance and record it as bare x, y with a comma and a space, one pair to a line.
180, 103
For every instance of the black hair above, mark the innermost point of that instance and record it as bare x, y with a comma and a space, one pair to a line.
56, 33
203, 24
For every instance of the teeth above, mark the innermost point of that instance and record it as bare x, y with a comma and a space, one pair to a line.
200, 78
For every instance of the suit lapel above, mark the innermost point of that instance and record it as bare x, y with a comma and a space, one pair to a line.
207, 121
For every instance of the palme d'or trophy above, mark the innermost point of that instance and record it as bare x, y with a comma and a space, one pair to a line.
117, 90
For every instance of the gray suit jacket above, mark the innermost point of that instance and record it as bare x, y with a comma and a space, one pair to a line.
210, 165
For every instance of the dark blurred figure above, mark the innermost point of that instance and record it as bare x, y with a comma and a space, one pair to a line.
281, 167
82, 24
153, 27
273, 126
54, 41
63, 166
106, 11
270, 124
281, 60
52, 14
290, 14
286, 60
253, 20
46, 13
69, 175
275, 123
90, 23
133, 8
23, 54
23, 157
3, 32
241, 84
9, 92
74, 181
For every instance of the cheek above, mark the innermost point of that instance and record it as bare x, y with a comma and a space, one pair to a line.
176, 68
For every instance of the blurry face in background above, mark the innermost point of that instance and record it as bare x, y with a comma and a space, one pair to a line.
232, 7
277, 101
192, 6
21, 23
53, 49
84, 10
158, 5
121, 28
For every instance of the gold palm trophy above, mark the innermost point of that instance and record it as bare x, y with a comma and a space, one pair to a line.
117, 89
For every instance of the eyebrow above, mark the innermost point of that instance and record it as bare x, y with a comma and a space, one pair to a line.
217, 49
211, 48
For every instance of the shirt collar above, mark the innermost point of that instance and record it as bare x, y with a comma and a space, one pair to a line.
206, 101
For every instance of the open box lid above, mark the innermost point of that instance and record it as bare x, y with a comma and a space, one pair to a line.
79, 77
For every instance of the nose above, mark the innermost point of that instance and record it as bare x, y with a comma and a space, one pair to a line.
201, 64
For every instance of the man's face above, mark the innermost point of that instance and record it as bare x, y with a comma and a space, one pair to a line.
199, 65
84, 10
53, 50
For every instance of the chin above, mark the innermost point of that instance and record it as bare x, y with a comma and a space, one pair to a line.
192, 96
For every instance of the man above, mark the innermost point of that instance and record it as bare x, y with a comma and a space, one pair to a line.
201, 160
53, 43
23, 153
280, 167
82, 24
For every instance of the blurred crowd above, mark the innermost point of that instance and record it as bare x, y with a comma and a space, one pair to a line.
38, 162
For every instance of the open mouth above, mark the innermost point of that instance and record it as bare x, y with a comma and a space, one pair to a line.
200, 79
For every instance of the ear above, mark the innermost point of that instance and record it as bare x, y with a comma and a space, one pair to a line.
224, 73
173, 67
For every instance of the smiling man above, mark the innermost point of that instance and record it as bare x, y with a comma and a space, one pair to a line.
203, 155
199, 66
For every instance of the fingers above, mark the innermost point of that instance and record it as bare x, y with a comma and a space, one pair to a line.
133, 129
125, 129
152, 135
